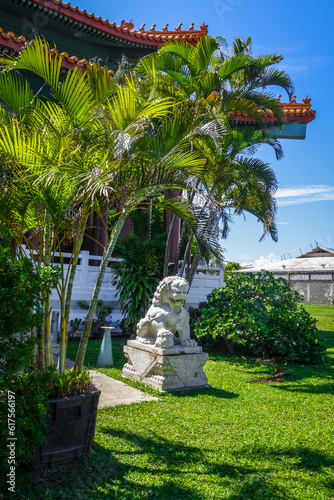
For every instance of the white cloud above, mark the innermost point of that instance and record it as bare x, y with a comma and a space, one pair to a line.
282, 223
304, 194
264, 259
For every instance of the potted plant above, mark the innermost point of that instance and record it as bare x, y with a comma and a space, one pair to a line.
52, 416
70, 420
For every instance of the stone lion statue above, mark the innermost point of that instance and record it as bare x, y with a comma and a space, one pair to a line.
167, 316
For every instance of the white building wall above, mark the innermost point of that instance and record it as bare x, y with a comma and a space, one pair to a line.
206, 279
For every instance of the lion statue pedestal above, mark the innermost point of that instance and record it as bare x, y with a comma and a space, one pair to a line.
163, 354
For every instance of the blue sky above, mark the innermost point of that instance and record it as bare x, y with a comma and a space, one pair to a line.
300, 30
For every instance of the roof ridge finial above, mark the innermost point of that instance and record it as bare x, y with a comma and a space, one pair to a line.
178, 27
165, 28
126, 25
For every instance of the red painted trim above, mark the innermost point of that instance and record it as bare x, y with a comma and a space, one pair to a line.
9, 43
154, 38
289, 118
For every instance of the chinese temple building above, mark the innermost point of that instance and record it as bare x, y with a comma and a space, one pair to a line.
81, 37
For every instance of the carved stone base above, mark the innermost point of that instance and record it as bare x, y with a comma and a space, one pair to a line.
175, 369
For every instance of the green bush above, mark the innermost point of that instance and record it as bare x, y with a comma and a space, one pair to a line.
21, 311
102, 312
261, 313
137, 275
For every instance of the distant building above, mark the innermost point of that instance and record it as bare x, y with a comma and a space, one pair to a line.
311, 274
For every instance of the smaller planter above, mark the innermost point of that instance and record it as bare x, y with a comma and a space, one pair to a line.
70, 432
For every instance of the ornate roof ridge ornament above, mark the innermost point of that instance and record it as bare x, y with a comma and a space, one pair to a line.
128, 25
66, 11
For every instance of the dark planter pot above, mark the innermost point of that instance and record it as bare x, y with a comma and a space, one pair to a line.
70, 431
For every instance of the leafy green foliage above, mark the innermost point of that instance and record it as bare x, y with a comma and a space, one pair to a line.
231, 266
74, 326
30, 397
70, 383
261, 313
102, 312
138, 274
22, 287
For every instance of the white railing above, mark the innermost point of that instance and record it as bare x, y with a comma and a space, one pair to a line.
206, 279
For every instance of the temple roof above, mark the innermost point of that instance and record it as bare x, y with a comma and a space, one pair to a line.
16, 44
301, 263
293, 111
103, 29
89, 36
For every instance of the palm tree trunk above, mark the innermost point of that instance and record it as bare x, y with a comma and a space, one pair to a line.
187, 255
92, 306
176, 265
47, 330
63, 336
168, 242
75, 258
193, 269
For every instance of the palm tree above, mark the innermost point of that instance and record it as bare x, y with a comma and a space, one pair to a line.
39, 139
210, 81
239, 183
139, 171
214, 79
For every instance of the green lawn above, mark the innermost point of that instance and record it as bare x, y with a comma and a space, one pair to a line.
235, 441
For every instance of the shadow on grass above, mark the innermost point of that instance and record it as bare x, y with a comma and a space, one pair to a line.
165, 452
259, 489
310, 388
132, 472
211, 392
305, 458
102, 476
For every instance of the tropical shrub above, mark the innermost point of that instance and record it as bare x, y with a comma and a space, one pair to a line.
231, 266
102, 312
22, 286
137, 274
74, 327
261, 313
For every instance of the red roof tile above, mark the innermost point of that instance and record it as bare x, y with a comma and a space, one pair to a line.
124, 30
293, 111
9, 41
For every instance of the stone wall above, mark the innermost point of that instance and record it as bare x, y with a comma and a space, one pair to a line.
317, 287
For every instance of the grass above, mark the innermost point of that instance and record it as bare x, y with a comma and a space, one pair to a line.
236, 441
